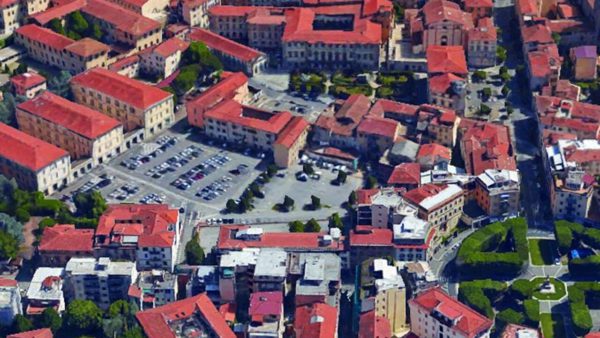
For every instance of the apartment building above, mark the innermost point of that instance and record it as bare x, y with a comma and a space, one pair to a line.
337, 128
46, 291
383, 208
147, 8
289, 143
99, 280
195, 12
485, 146
266, 313
83, 132
28, 85
146, 234
133, 103
376, 135
317, 278
497, 193
9, 16
440, 205
433, 313
482, 44
62, 242
572, 197
447, 81
585, 62
53, 49
568, 155
236, 270
10, 301
163, 59
316, 320
128, 28
154, 288
33, 163
270, 271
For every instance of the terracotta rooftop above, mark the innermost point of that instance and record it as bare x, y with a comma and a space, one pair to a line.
379, 126
64, 237
372, 325
441, 84
442, 10
538, 33
250, 117
292, 131
87, 47
58, 11
434, 150
405, 173
121, 18
372, 236
40, 333
446, 59
44, 36
486, 146
26, 150
27, 80
317, 320
225, 45
266, 304
170, 47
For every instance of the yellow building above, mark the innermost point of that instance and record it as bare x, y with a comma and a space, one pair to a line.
133, 103
292, 139
148, 8
83, 132
57, 50
163, 59
195, 12
33, 163
9, 18
390, 296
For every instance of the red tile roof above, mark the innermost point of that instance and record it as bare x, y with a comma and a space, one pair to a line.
393, 109
250, 117
225, 45
27, 80
434, 150
485, 31
292, 131
6, 283
309, 241
551, 137
122, 88
348, 116
541, 64
266, 304
479, 3
441, 84
40, 333
363, 196
372, 236
26, 150
317, 320
153, 224
6, 3
64, 237
122, 19
77, 118
58, 11
87, 47
406, 173
528, 7
469, 322
442, 10
44, 36
486, 146
157, 322
372, 325
228, 310
124, 62
171, 46
446, 59
539, 33
379, 126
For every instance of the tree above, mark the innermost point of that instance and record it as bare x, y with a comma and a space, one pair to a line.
9, 245
77, 23
245, 204
312, 226
307, 168
50, 319
315, 202
194, 254
479, 75
352, 198
21, 324
510, 316
90, 204
271, 170
484, 109
22, 68
486, 93
83, 316
505, 90
11, 226
341, 177
501, 54
255, 189
57, 26
186, 79
7, 109
59, 84
46, 223
522, 289
296, 226
398, 12
371, 182
197, 53
335, 221
556, 37
231, 206
96, 32
288, 202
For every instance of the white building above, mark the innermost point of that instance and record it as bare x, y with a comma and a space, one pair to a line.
10, 301
388, 207
100, 281
413, 238
270, 270
497, 193
235, 272
154, 288
573, 194
46, 291
575, 154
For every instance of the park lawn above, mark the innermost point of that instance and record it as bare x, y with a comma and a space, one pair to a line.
552, 325
559, 288
543, 251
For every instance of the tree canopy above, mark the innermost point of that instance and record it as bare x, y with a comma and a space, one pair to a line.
194, 254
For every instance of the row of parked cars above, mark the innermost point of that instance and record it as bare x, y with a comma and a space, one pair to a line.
165, 142
153, 198
207, 167
215, 189
124, 192
174, 162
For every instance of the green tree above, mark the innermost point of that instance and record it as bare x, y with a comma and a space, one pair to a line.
11, 226
255, 189
556, 37
486, 93
186, 79
245, 204
21, 324
77, 23
135, 332
308, 169
315, 202
271, 170
60, 84
199, 54
22, 68
90, 204
46, 223
9, 245
501, 54
505, 90
50, 319
96, 32
484, 109
194, 254
296, 226
352, 198
288, 202
510, 316
57, 26
371, 182
7, 109
335, 221
341, 177
312, 226
231, 206
479, 75
522, 289
83, 316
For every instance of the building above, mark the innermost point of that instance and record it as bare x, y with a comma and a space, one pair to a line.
585, 62
10, 13
270, 271
62, 242
266, 314
568, 155
28, 85
289, 143
146, 234
385, 293
316, 278
373, 325
337, 129
236, 271
164, 59
440, 205
418, 276
53, 49
383, 208
433, 313
573, 194
447, 81
99, 280
497, 193
33, 163
83, 132
482, 42
46, 291
39, 333
516, 331
205, 279
194, 316
433, 155
233, 54
561, 115
147, 8
486, 146
130, 29
376, 134
405, 175
154, 288
133, 103
479, 8
195, 12
10, 301
316, 320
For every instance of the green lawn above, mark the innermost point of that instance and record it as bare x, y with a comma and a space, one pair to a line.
543, 251
559, 287
552, 325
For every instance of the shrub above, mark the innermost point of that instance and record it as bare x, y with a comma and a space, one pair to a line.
312, 226
589, 266
532, 311
46, 222
476, 299
510, 316
296, 226
522, 289
564, 236
22, 215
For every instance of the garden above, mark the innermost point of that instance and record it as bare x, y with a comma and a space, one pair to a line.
543, 251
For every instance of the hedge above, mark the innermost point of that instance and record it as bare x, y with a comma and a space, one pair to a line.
581, 294
564, 237
589, 266
532, 311
522, 289
510, 316
479, 294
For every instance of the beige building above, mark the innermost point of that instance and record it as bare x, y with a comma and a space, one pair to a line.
195, 12
286, 150
164, 59
497, 192
133, 103
572, 197
147, 8
28, 84
83, 132
33, 163
9, 18
440, 205
57, 50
